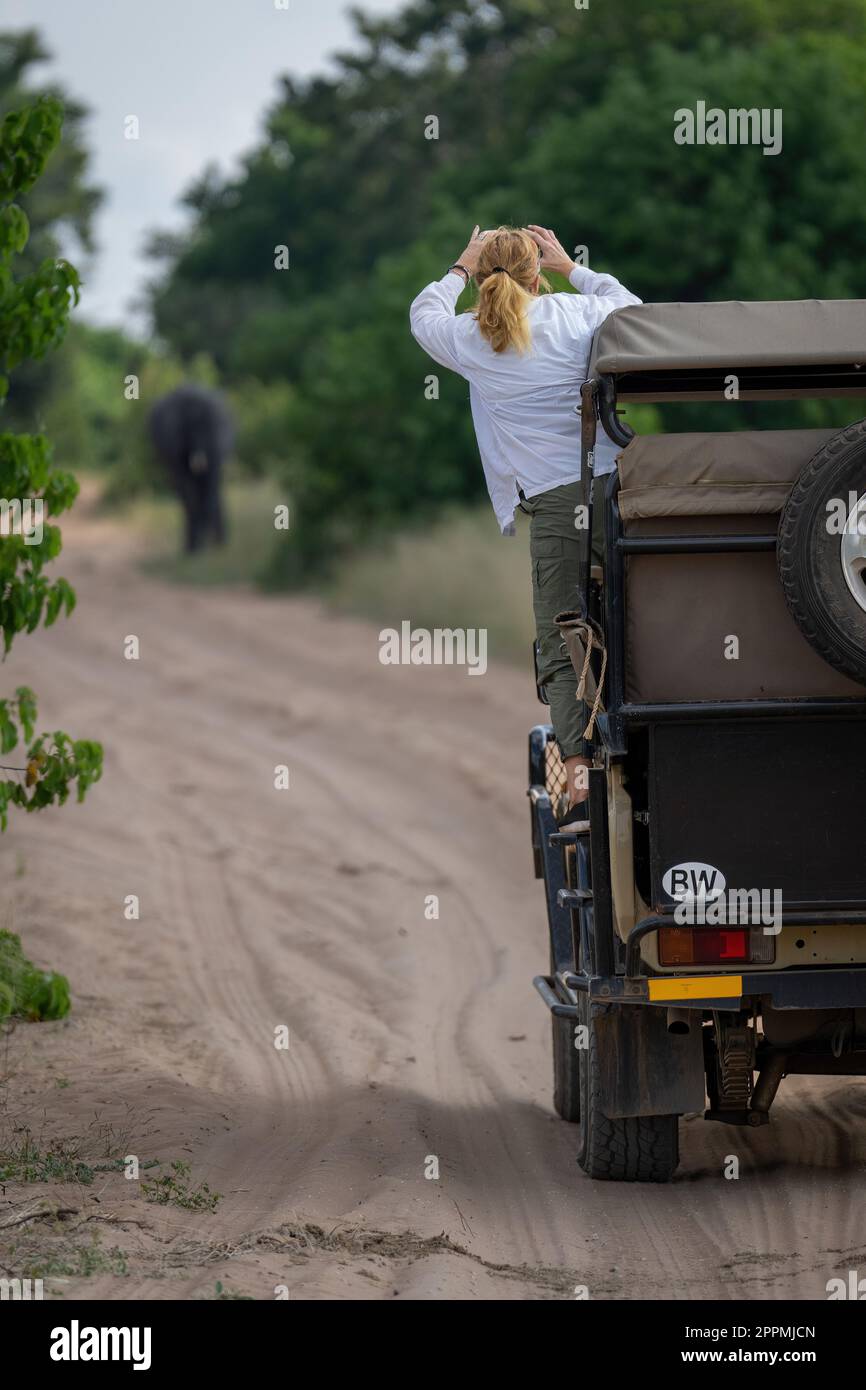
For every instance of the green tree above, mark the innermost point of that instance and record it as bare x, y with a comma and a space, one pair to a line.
61, 207
546, 114
33, 314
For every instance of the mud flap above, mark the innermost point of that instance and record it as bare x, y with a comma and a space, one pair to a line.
644, 1069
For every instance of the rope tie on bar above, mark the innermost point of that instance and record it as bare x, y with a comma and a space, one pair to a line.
594, 641
582, 637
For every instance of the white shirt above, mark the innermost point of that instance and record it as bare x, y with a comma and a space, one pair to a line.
523, 405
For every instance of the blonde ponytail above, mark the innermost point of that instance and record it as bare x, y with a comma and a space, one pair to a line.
507, 278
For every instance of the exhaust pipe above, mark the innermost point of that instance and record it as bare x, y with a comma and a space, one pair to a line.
679, 1021
766, 1087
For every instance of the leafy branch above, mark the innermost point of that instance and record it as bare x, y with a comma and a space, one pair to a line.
34, 313
54, 762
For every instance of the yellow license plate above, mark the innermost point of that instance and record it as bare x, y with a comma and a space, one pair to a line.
696, 987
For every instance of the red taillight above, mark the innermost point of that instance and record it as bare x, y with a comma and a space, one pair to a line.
703, 946
721, 945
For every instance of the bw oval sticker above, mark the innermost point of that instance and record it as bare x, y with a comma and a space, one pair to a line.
693, 882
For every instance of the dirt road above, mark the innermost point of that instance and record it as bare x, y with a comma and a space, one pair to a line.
411, 1039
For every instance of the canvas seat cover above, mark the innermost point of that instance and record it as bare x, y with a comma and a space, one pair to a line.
687, 615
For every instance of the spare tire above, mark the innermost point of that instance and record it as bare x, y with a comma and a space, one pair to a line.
821, 551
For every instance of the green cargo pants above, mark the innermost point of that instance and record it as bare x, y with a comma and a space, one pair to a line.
554, 547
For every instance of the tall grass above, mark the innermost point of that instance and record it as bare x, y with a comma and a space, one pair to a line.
250, 514
461, 573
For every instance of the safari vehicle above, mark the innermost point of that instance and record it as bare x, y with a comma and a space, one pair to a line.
708, 933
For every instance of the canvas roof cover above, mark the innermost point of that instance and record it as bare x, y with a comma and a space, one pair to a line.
731, 334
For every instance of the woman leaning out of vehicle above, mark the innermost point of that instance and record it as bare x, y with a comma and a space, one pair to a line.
524, 352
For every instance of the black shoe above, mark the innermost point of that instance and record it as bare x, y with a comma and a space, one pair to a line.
574, 821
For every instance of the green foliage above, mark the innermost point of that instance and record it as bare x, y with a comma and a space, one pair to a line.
547, 114
28, 1159
27, 1162
54, 762
33, 310
26, 596
59, 206
62, 197
229, 1295
26, 991
79, 1262
175, 1189
26, 140
33, 316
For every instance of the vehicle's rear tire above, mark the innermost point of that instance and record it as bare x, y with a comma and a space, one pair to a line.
566, 1070
643, 1148
823, 570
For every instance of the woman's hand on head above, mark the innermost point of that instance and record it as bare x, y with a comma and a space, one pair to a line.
469, 258
553, 254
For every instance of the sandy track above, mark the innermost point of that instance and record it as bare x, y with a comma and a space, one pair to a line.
409, 1037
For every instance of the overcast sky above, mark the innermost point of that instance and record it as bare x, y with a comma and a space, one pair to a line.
197, 74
